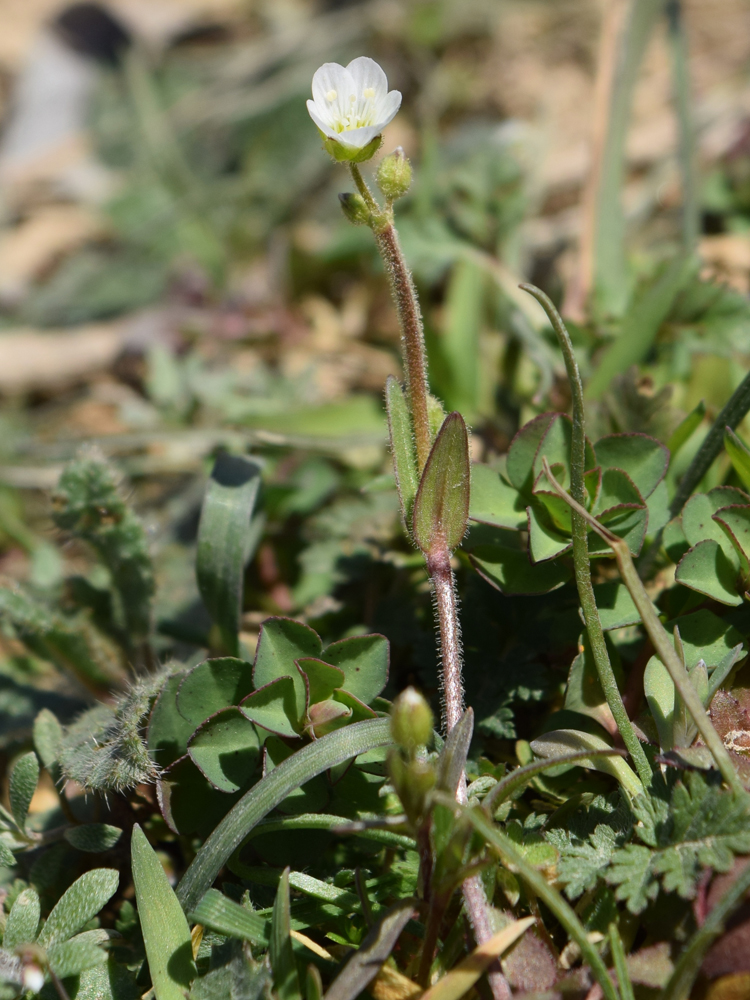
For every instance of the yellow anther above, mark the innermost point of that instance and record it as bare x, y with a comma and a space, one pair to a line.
369, 92
352, 98
331, 95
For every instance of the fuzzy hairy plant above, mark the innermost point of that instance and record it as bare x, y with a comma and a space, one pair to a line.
103, 750
89, 504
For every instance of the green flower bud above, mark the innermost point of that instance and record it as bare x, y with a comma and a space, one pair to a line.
413, 781
411, 720
351, 154
394, 175
355, 208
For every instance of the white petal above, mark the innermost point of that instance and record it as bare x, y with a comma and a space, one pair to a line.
314, 112
388, 108
329, 77
368, 75
357, 138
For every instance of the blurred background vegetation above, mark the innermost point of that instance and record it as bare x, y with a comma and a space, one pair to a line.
176, 278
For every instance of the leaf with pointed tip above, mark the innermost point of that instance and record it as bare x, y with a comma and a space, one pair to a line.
441, 507
213, 685
281, 642
82, 901
227, 536
523, 448
402, 447
274, 707
698, 512
226, 750
494, 501
23, 781
643, 458
281, 953
166, 934
452, 760
555, 446
735, 521
93, 838
322, 678
686, 428
545, 541
659, 689
739, 455
377, 946
364, 660
23, 920
48, 734
707, 569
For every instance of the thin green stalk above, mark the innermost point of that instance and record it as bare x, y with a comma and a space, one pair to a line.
581, 559
549, 895
620, 964
688, 965
730, 416
660, 638
335, 824
518, 779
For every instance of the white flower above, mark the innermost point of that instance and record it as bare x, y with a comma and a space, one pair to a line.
352, 105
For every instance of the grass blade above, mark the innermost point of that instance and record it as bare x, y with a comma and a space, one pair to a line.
285, 977
166, 934
226, 538
365, 964
333, 749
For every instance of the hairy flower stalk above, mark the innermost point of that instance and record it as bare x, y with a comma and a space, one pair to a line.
350, 107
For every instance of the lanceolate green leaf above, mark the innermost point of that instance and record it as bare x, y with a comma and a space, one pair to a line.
402, 447
303, 765
23, 779
166, 934
283, 966
226, 539
23, 920
441, 508
81, 902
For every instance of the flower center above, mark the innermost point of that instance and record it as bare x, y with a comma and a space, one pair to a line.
361, 110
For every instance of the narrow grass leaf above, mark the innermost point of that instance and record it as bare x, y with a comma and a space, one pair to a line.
166, 934
226, 538
300, 767
283, 965
365, 963
227, 917
739, 454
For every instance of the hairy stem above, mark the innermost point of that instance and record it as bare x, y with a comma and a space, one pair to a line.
409, 318
581, 560
438, 563
446, 606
